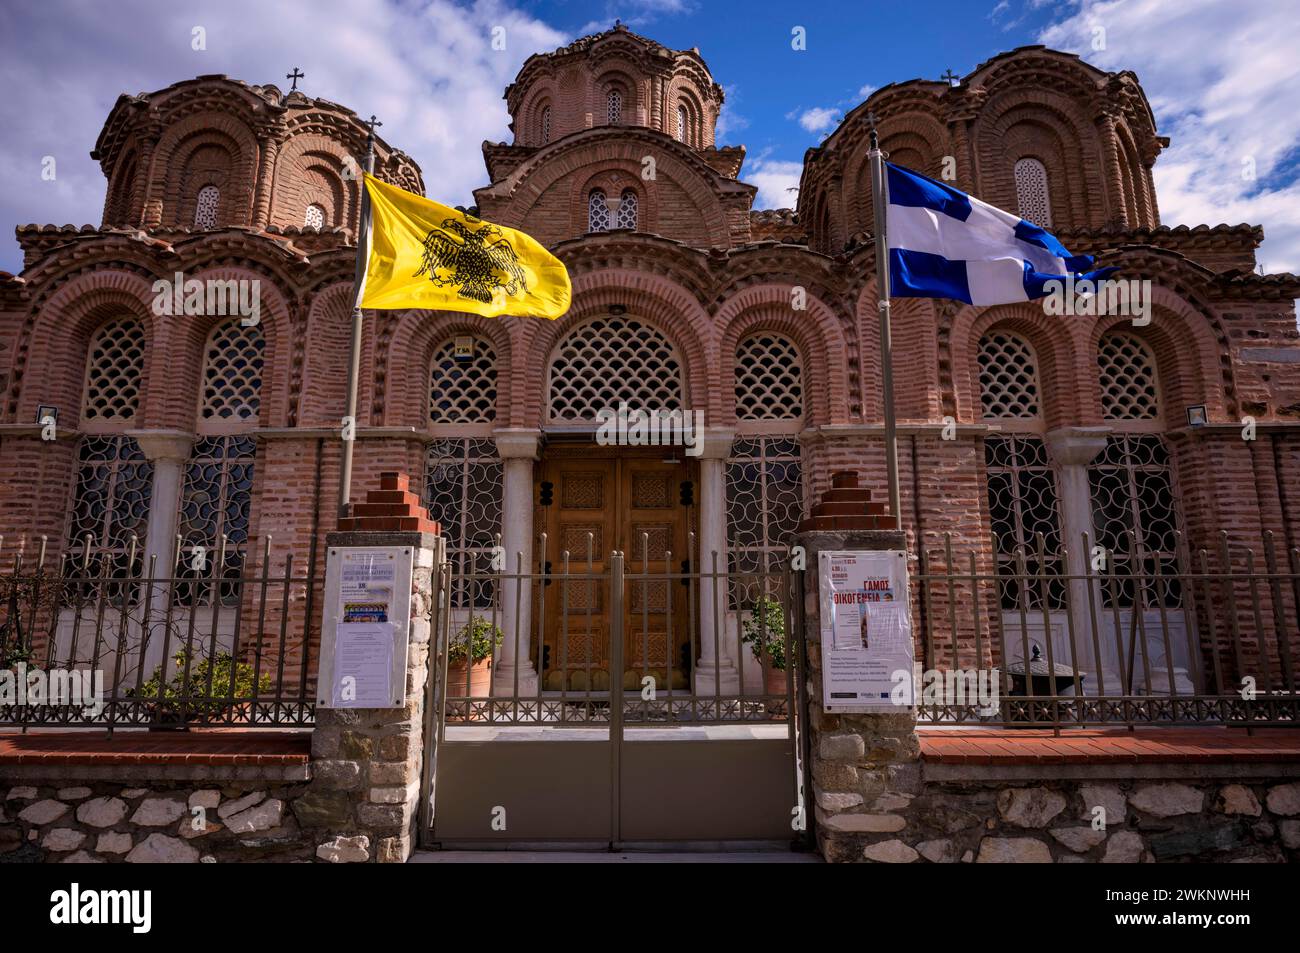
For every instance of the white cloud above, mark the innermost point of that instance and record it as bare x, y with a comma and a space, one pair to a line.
1221, 78
729, 121
775, 180
866, 91
425, 67
819, 118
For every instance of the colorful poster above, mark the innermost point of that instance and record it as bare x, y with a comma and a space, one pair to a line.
366, 586
866, 631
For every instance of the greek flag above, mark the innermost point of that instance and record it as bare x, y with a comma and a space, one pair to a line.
946, 244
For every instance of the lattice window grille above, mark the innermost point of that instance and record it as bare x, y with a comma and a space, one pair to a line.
114, 369
315, 217
597, 212
546, 125
769, 379
205, 208
1128, 379
216, 500
614, 105
463, 485
1033, 199
681, 123
610, 360
463, 391
232, 373
1023, 502
110, 503
1134, 507
627, 210
1008, 377
765, 502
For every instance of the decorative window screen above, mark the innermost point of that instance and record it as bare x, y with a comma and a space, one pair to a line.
627, 209
615, 107
546, 124
1128, 379
764, 505
610, 360
597, 212
681, 123
1023, 502
463, 483
463, 391
769, 379
205, 208
110, 503
1133, 502
1008, 377
315, 217
216, 499
114, 368
1033, 201
232, 373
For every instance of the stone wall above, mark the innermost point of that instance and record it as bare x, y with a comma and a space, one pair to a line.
152, 821
904, 817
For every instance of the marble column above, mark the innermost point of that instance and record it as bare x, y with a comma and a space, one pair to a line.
1071, 450
716, 670
168, 451
518, 449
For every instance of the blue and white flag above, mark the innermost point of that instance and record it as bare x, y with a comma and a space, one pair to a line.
946, 244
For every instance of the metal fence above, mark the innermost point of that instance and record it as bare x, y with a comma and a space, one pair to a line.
1125, 636
106, 640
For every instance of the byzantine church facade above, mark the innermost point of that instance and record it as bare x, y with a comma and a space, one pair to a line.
181, 430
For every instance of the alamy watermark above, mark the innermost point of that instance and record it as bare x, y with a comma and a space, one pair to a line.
1128, 297
80, 688
210, 296
634, 427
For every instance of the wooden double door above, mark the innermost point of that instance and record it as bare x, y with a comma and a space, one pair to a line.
641, 502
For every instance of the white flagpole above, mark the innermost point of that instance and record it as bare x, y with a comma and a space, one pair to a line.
354, 364
880, 203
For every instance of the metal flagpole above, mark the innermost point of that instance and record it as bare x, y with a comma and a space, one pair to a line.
880, 202
354, 364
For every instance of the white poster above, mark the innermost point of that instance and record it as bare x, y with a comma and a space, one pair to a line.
866, 630
366, 586
363, 665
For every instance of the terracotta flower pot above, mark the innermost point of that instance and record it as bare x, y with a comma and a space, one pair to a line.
480, 679
774, 682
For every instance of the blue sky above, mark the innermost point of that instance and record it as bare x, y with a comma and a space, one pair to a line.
1221, 77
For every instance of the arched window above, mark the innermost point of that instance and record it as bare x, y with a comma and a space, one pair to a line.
215, 511
315, 217
232, 374
681, 123
113, 371
110, 504
614, 107
769, 379
1032, 196
546, 124
463, 390
463, 484
610, 360
1128, 379
1008, 377
597, 212
205, 208
764, 505
627, 210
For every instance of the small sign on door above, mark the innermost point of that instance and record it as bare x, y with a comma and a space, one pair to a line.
464, 348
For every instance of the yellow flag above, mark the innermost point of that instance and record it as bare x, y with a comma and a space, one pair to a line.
427, 255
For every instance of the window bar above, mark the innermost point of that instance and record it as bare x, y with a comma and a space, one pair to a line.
1137, 621
1111, 576
123, 620
1021, 578
1093, 588
1067, 588
1045, 604
1158, 587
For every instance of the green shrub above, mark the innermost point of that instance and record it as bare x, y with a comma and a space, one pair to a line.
198, 701
765, 629
479, 636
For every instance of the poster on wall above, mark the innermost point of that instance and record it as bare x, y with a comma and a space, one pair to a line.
366, 586
866, 631
365, 626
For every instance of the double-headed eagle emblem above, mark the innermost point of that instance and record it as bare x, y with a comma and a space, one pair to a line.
479, 261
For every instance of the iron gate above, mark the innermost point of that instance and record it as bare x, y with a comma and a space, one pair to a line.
606, 747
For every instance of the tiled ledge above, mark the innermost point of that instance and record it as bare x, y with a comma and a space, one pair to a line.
987, 753
191, 755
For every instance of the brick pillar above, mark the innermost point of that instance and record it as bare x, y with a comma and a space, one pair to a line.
363, 798
865, 767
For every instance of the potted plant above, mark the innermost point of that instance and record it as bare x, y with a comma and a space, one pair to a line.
176, 703
764, 633
469, 658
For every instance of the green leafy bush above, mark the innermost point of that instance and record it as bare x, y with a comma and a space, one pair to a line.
199, 701
479, 636
765, 629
